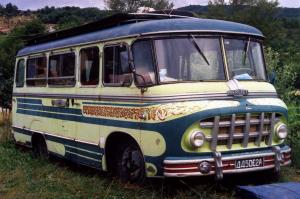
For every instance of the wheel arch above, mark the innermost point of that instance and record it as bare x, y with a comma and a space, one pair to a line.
111, 144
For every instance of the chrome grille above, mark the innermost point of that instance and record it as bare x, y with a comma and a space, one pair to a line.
240, 128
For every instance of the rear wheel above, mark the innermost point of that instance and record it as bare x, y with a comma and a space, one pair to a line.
39, 148
130, 163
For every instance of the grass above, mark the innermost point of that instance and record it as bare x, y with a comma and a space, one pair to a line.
22, 176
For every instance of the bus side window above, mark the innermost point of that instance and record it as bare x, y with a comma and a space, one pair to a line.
62, 69
36, 71
116, 66
20, 72
89, 66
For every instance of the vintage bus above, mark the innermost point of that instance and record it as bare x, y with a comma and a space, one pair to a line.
151, 95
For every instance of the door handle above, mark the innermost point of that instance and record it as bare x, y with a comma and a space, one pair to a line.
60, 103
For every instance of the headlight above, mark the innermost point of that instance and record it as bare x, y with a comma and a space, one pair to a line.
197, 139
281, 131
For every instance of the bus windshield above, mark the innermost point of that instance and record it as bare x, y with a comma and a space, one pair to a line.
244, 59
189, 59
194, 59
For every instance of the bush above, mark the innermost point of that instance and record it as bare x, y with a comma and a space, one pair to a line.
294, 134
285, 74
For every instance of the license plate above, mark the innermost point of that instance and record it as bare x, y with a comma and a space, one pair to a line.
249, 163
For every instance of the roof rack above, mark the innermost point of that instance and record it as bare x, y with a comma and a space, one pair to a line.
114, 20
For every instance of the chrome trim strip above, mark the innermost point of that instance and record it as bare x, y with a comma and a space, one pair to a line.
237, 157
224, 172
215, 131
166, 174
237, 123
231, 132
260, 130
271, 129
271, 160
248, 156
222, 96
246, 131
236, 136
286, 163
263, 93
80, 149
187, 161
175, 169
286, 151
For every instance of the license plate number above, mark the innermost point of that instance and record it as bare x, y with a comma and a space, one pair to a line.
249, 163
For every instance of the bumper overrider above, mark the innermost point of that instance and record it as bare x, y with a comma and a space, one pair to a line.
218, 164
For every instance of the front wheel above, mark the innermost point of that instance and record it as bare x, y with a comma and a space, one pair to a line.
130, 163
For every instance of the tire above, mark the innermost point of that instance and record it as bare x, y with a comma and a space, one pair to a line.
39, 148
130, 163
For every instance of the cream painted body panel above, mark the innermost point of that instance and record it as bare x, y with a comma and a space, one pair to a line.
152, 143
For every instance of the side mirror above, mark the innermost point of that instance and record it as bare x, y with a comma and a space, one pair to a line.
140, 80
272, 77
143, 77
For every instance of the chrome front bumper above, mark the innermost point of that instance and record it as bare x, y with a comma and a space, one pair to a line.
273, 158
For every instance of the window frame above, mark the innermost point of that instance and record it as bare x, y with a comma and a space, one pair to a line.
252, 39
79, 67
46, 77
63, 77
16, 72
103, 65
154, 59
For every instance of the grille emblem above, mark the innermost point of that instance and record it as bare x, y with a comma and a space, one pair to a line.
236, 89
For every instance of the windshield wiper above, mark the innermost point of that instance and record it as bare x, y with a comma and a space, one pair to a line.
246, 49
198, 49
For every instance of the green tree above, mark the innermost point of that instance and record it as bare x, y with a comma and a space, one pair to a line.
158, 4
286, 75
69, 22
9, 10
68, 17
262, 14
9, 45
133, 5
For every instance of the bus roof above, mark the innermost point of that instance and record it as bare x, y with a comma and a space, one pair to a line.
133, 25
